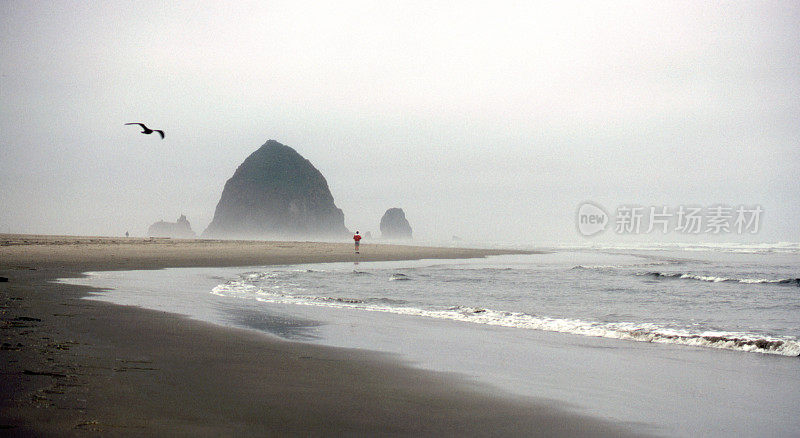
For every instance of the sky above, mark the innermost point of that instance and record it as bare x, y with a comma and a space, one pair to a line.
491, 121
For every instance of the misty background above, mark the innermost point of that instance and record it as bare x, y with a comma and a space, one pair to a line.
490, 122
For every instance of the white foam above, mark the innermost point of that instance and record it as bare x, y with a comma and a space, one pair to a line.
642, 332
715, 279
399, 277
739, 248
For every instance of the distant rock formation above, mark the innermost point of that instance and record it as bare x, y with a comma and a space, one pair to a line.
180, 229
276, 194
394, 225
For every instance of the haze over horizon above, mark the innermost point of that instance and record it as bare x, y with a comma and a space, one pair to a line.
489, 122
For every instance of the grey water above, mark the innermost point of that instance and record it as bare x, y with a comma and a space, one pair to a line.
673, 342
748, 302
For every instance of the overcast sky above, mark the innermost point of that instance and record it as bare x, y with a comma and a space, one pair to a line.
486, 120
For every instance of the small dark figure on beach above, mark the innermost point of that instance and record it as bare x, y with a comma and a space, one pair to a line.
126, 234
357, 239
146, 130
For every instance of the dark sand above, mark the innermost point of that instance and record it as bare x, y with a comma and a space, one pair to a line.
78, 367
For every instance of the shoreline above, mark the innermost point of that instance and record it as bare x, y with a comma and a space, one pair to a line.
72, 365
108, 253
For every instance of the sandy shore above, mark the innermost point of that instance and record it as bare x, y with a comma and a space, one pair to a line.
100, 253
73, 366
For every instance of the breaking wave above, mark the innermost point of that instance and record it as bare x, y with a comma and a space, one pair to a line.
715, 279
642, 332
399, 277
742, 248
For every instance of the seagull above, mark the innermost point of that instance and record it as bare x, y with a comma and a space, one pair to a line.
146, 130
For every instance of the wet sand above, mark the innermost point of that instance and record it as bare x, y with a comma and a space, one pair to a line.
73, 366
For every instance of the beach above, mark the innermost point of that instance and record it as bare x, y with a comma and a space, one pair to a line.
73, 366
671, 342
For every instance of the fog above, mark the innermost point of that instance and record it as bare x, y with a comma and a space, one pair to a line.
489, 122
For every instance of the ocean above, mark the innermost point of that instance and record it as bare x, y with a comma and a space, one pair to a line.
673, 340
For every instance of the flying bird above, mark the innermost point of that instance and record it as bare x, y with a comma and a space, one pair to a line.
146, 130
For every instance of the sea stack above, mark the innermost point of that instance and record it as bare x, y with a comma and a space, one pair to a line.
276, 194
181, 229
394, 225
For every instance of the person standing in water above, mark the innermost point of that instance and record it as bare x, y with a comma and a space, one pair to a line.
357, 239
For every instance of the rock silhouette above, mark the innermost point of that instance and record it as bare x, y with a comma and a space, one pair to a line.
180, 229
394, 225
276, 194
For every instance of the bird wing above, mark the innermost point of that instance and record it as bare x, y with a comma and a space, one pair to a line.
140, 124
160, 132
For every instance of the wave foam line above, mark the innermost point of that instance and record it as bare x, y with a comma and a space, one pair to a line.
714, 279
626, 331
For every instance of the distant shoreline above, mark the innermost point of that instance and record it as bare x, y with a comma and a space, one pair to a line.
114, 253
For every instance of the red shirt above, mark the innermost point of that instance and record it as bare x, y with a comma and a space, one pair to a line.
357, 237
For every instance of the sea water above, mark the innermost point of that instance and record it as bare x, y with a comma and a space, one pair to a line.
680, 341
744, 302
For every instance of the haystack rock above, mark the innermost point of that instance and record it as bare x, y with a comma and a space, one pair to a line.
394, 225
180, 229
276, 194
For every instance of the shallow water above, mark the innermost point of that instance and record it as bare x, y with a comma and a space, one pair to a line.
676, 342
748, 302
